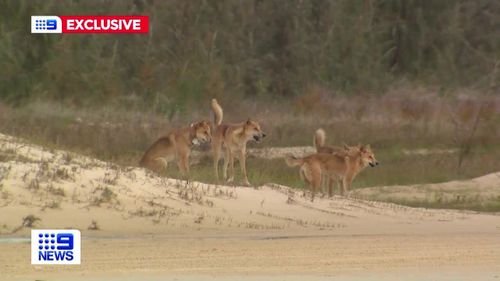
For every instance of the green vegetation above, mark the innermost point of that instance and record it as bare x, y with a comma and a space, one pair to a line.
485, 205
434, 197
103, 195
398, 74
396, 169
275, 49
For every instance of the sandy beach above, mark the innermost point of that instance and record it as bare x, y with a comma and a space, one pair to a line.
138, 226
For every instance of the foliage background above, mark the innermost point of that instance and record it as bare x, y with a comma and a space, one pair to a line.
274, 49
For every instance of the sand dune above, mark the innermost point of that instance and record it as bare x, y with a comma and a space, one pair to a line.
484, 189
44, 188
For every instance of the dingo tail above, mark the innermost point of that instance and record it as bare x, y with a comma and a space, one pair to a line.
218, 113
319, 139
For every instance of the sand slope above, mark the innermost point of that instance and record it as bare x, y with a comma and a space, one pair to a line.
64, 190
67, 190
484, 190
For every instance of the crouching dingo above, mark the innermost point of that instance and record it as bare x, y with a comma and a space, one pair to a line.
344, 165
176, 146
234, 138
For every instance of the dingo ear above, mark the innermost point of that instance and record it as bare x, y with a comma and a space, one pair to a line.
368, 147
362, 148
346, 147
191, 125
248, 121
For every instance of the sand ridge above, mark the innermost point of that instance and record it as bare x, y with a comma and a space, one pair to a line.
67, 190
218, 229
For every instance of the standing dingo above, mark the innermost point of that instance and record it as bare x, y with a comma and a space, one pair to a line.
234, 138
344, 165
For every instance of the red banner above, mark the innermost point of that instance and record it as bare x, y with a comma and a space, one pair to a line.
105, 24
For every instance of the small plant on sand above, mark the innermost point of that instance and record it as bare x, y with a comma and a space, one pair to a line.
141, 212
52, 205
30, 221
43, 168
191, 193
94, 226
67, 158
62, 173
104, 195
290, 199
199, 218
34, 184
209, 203
111, 178
59, 191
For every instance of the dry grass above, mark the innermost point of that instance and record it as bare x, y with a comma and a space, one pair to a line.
393, 124
459, 195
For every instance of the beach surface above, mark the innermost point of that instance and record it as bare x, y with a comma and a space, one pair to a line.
138, 226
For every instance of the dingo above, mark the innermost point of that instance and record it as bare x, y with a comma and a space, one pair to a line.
319, 143
176, 145
234, 138
344, 165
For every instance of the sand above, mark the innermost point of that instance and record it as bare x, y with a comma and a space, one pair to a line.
137, 226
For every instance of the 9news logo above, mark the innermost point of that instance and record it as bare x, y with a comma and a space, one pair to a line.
55, 246
46, 24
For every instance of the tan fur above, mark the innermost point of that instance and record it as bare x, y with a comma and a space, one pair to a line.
319, 143
234, 138
345, 165
319, 139
176, 145
218, 113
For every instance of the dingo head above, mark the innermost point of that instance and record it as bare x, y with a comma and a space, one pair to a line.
253, 131
201, 132
367, 156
